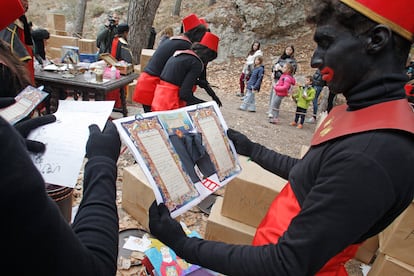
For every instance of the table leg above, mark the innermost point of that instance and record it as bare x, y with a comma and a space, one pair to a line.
54, 98
123, 101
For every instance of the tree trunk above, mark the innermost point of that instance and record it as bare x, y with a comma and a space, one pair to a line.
177, 8
211, 2
80, 19
141, 14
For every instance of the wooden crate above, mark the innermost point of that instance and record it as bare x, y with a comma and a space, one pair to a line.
125, 69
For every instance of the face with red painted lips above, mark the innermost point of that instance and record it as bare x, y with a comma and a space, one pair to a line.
340, 55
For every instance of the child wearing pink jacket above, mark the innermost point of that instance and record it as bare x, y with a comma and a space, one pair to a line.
282, 89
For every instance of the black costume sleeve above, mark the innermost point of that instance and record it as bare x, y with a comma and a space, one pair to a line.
341, 205
35, 227
273, 161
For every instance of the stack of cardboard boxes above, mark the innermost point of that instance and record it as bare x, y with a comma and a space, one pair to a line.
396, 247
56, 25
235, 217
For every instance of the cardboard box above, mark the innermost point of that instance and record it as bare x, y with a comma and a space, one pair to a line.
137, 194
146, 55
386, 266
87, 46
130, 91
397, 240
56, 21
220, 228
124, 69
368, 250
58, 41
252, 191
53, 52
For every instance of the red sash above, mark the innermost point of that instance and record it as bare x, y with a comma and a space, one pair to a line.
281, 212
389, 115
144, 90
166, 97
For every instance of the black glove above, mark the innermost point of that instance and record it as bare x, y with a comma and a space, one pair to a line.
105, 143
25, 127
165, 228
212, 94
6, 101
217, 100
242, 144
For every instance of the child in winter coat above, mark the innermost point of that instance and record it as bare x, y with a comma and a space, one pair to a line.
303, 97
253, 85
282, 89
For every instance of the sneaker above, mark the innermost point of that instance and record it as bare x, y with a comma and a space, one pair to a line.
310, 120
240, 94
269, 115
273, 121
242, 108
300, 126
293, 124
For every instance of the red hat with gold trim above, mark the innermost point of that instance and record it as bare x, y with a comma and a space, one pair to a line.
395, 14
11, 10
190, 22
211, 41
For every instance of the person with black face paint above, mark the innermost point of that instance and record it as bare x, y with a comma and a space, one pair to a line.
355, 178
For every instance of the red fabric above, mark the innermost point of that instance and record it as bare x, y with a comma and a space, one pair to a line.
114, 46
115, 95
388, 115
395, 14
13, 9
166, 97
409, 89
144, 90
281, 212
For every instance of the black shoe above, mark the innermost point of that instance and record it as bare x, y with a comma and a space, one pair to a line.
240, 94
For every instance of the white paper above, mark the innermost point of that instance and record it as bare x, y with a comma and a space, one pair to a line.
66, 139
137, 244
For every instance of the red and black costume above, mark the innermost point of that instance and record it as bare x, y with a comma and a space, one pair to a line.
177, 82
150, 77
330, 202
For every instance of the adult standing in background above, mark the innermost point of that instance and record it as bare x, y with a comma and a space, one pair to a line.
107, 34
194, 31
248, 66
120, 51
355, 178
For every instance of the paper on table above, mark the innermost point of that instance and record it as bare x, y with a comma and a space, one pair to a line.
66, 139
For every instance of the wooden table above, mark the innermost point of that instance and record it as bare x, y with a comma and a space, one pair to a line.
55, 82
